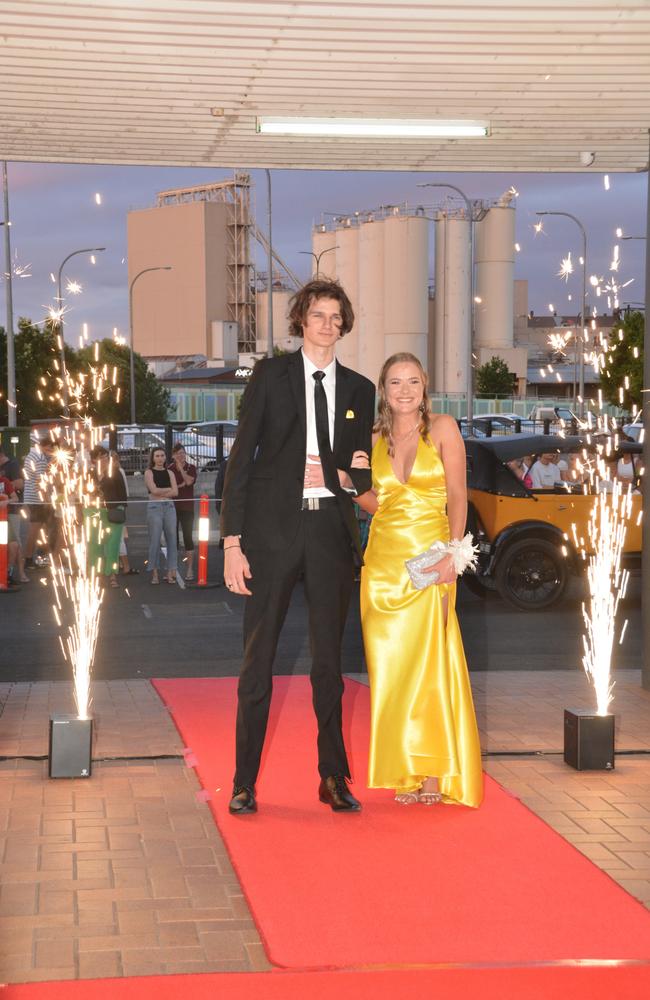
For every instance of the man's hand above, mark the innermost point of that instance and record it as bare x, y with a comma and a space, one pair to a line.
236, 569
313, 473
360, 460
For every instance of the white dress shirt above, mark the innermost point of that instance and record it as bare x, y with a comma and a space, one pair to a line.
329, 385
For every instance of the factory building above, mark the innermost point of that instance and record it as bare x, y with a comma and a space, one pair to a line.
381, 258
211, 309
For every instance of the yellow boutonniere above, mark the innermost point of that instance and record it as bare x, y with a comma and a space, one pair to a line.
349, 415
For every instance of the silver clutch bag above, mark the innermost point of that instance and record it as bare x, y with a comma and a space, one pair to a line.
417, 564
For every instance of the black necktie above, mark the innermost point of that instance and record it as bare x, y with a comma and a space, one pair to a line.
330, 474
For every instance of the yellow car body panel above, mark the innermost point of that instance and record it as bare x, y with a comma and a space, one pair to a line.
562, 510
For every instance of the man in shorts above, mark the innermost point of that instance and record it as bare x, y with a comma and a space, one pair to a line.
39, 511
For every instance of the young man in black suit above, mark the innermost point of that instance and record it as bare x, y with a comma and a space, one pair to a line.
287, 511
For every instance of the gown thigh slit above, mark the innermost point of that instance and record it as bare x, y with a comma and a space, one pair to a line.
422, 713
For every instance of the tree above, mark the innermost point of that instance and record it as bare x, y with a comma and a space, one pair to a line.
620, 362
152, 398
494, 378
38, 371
38, 379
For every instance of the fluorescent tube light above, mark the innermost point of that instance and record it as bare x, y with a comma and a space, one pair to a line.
372, 128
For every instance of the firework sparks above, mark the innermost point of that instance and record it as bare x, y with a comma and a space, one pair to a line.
76, 586
56, 313
539, 228
98, 198
70, 487
558, 342
606, 182
607, 528
566, 267
73, 288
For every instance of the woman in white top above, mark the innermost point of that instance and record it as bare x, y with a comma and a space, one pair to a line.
625, 468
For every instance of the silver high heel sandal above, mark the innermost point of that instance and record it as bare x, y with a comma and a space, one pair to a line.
407, 798
430, 798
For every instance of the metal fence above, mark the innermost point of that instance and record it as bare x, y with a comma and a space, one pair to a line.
498, 427
206, 446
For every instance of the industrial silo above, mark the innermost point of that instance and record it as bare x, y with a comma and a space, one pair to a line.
322, 242
370, 325
495, 269
346, 239
405, 285
452, 303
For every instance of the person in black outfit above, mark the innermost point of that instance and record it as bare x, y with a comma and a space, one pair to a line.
287, 511
185, 475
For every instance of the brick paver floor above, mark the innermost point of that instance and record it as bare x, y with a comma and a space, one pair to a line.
123, 874
126, 874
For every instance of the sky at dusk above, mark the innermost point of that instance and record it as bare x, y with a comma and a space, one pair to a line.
53, 212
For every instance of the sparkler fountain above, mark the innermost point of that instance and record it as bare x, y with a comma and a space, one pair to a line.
589, 736
76, 583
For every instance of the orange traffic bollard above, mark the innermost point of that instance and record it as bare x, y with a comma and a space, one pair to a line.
4, 547
204, 537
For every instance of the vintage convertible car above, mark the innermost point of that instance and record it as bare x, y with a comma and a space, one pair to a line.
525, 553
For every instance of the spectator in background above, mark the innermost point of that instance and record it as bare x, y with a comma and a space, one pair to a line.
544, 473
109, 519
625, 468
125, 566
185, 475
39, 509
11, 469
578, 473
8, 495
520, 470
563, 466
161, 515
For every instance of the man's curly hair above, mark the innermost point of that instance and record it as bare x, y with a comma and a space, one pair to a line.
319, 288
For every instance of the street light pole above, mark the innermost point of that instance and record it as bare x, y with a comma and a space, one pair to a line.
166, 267
59, 296
11, 360
581, 343
269, 291
317, 256
470, 345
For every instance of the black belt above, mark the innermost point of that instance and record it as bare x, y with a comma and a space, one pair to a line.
317, 503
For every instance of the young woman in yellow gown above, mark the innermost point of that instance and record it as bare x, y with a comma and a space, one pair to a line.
424, 739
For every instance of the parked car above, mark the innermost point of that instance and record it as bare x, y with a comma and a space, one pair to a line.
524, 537
134, 444
490, 424
207, 443
556, 415
634, 429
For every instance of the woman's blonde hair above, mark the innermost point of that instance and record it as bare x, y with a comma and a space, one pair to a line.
384, 423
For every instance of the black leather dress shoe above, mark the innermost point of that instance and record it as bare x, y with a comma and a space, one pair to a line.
242, 801
334, 792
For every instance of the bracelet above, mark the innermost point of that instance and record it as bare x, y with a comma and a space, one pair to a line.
226, 547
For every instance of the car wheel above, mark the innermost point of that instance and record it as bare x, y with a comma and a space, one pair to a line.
532, 574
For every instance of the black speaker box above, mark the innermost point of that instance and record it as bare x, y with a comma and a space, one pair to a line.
71, 741
588, 740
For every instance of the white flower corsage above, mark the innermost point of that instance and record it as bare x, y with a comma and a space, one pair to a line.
463, 552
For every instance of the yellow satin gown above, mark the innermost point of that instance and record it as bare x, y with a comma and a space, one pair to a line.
422, 714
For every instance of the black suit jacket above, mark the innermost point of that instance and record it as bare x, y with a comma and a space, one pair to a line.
264, 479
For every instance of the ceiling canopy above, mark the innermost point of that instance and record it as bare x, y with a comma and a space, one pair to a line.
183, 82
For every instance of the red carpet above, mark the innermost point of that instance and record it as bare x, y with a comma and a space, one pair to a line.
394, 886
443, 984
